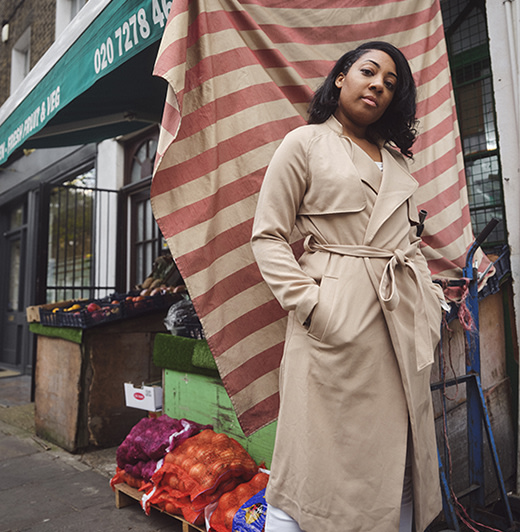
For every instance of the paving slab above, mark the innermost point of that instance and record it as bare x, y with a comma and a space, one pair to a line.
45, 489
105, 518
12, 447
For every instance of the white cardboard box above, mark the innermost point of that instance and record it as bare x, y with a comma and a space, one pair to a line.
146, 398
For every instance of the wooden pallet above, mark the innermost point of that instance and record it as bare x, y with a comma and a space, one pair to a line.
126, 495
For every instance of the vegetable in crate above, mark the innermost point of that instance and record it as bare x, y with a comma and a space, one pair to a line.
149, 441
197, 473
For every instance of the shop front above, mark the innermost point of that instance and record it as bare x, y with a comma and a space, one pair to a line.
69, 192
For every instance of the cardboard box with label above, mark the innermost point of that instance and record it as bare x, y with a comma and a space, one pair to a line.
145, 398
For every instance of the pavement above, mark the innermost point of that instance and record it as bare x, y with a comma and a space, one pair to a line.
46, 489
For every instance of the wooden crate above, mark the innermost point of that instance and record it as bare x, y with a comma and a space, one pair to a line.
33, 313
80, 397
126, 495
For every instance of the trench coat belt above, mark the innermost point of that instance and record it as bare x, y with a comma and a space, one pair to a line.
388, 289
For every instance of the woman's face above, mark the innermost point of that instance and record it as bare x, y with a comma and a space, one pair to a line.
366, 91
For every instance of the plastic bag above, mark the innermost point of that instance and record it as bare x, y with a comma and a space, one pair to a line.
251, 515
182, 320
243, 509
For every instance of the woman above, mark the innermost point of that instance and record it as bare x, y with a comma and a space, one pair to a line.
364, 316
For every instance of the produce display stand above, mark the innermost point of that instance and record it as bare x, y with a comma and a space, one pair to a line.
80, 376
126, 496
192, 389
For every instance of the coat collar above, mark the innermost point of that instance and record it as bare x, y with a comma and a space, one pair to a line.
366, 167
335, 125
397, 185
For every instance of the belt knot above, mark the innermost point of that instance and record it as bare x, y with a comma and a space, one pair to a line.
400, 257
388, 290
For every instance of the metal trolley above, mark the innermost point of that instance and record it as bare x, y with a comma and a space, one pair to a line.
477, 419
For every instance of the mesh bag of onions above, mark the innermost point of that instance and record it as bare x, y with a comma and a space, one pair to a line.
196, 473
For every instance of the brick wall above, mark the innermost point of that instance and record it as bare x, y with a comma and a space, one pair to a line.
40, 16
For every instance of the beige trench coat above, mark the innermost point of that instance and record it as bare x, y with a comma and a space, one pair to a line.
355, 380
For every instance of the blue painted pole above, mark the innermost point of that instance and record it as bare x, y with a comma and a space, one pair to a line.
475, 432
474, 420
447, 501
494, 452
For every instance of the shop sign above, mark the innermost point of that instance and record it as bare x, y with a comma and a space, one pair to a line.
120, 31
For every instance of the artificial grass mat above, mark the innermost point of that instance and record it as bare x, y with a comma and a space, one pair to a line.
183, 354
72, 334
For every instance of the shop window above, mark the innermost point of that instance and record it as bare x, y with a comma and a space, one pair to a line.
142, 160
468, 50
13, 282
145, 242
82, 240
17, 217
15, 237
20, 59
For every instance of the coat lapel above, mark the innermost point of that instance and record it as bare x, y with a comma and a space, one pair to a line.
368, 171
397, 186
366, 168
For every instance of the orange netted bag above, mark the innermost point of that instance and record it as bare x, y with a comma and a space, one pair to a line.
230, 502
122, 476
198, 472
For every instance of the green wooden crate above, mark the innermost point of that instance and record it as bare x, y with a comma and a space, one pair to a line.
203, 399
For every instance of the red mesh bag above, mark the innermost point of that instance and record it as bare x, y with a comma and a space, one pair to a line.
198, 472
148, 442
230, 502
122, 476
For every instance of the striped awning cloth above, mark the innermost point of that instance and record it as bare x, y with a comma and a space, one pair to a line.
241, 74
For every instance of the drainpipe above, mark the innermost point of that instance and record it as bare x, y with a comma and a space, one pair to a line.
511, 7
511, 185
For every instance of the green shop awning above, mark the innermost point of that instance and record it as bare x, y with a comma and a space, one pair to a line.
95, 82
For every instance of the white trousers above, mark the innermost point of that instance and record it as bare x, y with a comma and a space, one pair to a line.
406, 521
278, 521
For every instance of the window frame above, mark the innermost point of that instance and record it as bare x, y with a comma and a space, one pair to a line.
468, 58
20, 59
132, 193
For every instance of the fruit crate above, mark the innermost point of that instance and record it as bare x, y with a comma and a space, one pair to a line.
82, 318
144, 304
113, 308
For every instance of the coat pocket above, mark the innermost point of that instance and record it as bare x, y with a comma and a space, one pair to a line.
322, 312
434, 321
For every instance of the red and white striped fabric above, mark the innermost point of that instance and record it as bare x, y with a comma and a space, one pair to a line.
241, 74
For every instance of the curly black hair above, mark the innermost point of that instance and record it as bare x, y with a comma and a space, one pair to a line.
398, 123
